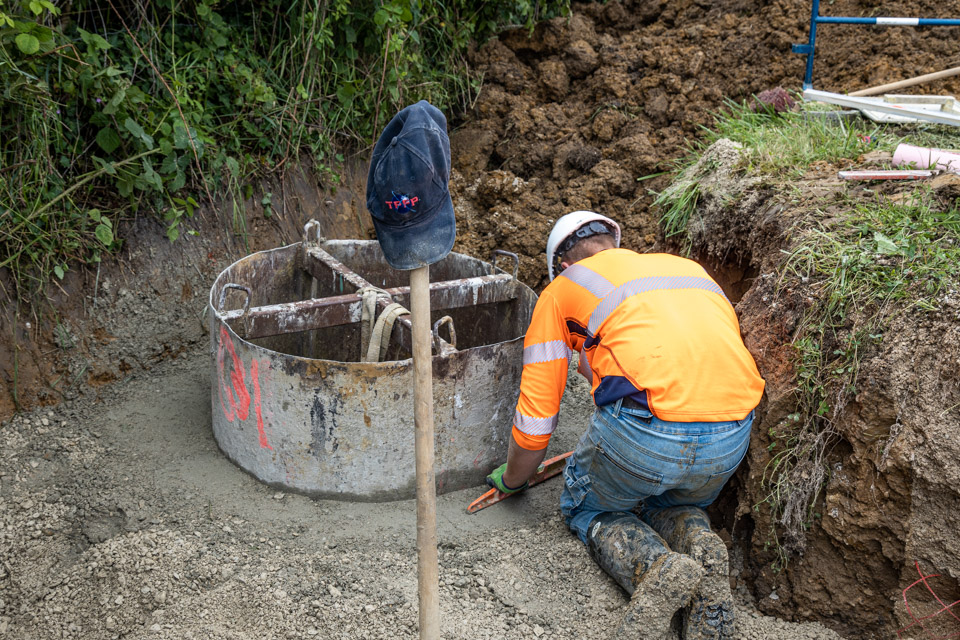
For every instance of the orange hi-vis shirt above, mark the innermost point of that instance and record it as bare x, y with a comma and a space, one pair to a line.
654, 327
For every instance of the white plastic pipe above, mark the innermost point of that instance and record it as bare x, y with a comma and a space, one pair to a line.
926, 157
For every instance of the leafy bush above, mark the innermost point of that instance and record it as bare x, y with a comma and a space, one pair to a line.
110, 106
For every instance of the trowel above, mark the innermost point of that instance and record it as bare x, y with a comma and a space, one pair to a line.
547, 469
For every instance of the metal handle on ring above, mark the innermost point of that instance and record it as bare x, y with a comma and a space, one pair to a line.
445, 320
246, 302
501, 252
313, 226
238, 287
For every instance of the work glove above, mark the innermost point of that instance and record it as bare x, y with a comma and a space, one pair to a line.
495, 480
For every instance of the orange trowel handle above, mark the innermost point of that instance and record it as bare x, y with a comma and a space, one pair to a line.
547, 469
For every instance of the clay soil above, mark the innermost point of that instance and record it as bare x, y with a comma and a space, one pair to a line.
573, 116
119, 518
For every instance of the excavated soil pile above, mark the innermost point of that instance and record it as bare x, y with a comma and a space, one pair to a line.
571, 116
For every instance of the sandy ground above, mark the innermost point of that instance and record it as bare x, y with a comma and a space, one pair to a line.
120, 518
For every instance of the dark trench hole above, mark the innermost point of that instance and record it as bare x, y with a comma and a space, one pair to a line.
734, 277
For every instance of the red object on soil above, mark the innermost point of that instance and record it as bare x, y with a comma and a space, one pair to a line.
949, 609
777, 98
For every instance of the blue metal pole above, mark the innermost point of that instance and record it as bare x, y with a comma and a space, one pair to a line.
814, 17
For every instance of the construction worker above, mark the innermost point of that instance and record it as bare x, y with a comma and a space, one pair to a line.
674, 389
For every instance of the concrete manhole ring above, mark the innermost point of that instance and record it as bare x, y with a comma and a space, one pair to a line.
294, 405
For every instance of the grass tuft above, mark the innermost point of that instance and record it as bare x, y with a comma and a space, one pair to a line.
677, 202
787, 144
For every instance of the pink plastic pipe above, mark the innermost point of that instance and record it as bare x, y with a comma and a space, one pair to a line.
926, 157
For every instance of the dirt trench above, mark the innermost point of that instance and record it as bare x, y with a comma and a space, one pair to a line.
568, 118
887, 511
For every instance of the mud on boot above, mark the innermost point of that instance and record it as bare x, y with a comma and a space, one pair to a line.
686, 529
634, 555
660, 591
710, 615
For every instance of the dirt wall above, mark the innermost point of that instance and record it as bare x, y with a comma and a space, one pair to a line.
101, 325
890, 507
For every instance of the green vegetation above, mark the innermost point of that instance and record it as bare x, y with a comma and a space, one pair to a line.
858, 262
860, 270
678, 202
787, 144
111, 107
782, 145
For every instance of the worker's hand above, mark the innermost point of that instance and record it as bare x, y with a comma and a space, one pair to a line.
495, 480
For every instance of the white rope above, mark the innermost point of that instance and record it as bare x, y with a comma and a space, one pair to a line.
380, 337
376, 336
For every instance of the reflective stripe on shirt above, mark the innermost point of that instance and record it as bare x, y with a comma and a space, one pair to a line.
588, 279
642, 285
545, 352
535, 426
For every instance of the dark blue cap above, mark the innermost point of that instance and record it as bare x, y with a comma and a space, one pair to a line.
408, 191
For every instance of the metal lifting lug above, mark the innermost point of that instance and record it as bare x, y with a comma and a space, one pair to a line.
501, 252
441, 348
311, 234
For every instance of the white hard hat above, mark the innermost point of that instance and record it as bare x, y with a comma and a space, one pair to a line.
566, 227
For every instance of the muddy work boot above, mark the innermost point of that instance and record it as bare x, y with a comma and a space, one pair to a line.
660, 581
686, 529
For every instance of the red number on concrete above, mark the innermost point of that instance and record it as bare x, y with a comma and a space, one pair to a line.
255, 376
240, 406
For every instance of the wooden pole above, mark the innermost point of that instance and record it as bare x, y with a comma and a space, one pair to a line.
428, 574
909, 82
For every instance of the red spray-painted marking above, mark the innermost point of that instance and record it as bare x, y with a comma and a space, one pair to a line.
254, 375
944, 607
240, 406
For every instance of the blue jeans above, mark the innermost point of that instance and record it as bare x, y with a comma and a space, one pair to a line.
628, 456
